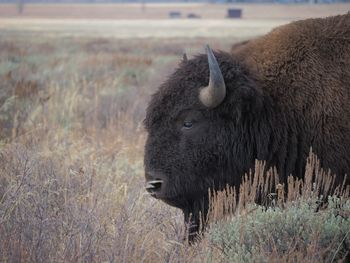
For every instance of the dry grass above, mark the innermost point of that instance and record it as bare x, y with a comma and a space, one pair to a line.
150, 28
264, 186
71, 177
71, 149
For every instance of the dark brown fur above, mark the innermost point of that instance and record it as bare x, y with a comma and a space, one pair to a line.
305, 68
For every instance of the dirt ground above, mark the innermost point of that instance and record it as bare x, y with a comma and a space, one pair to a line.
161, 11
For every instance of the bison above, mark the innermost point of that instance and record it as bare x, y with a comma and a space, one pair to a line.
270, 98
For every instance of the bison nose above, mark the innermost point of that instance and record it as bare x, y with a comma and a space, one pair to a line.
153, 182
154, 186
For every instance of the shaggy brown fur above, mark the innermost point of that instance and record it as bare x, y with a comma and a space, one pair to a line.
305, 67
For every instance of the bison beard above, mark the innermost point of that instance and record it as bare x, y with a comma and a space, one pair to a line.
270, 99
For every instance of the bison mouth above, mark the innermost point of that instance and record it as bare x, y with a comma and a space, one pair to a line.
156, 188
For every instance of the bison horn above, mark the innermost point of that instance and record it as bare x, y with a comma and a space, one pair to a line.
212, 95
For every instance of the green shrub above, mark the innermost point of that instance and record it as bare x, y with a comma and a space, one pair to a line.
294, 234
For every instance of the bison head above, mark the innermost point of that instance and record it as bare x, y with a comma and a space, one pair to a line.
199, 132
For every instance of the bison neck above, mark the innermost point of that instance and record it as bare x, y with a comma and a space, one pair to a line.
279, 138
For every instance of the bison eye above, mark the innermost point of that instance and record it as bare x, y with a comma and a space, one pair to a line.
187, 124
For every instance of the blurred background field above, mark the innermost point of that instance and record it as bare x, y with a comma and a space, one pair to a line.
151, 20
144, 10
74, 84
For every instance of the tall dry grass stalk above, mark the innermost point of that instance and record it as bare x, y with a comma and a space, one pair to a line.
304, 220
263, 186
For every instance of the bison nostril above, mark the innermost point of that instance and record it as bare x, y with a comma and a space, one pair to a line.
154, 185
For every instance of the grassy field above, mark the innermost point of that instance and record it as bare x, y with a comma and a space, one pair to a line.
72, 100
161, 11
123, 29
